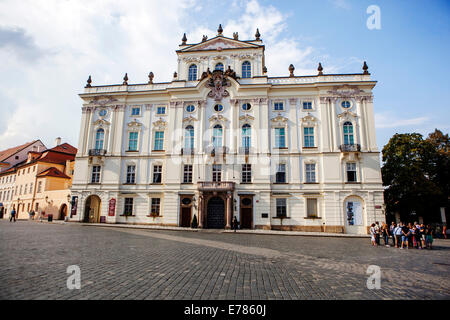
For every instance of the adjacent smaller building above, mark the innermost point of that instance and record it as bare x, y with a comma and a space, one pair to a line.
40, 183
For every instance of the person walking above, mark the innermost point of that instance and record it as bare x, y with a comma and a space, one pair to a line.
429, 232
373, 234
13, 215
398, 234
385, 231
392, 232
32, 214
405, 236
235, 223
444, 231
377, 232
422, 235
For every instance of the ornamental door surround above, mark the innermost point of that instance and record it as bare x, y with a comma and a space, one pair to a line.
209, 190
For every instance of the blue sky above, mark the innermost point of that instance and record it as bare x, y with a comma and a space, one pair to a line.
48, 54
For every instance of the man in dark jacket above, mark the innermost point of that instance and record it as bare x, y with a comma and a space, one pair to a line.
13, 215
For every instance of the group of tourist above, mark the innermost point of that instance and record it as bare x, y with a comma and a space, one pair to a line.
412, 235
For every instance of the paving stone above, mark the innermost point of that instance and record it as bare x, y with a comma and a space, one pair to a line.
126, 263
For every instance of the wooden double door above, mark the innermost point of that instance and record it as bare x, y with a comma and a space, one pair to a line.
246, 206
186, 211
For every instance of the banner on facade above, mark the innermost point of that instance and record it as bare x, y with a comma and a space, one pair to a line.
354, 213
73, 212
112, 207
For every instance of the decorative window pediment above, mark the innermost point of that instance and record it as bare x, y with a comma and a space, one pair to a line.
189, 119
309, 120
218, 118
279, 121
160, 124
102, 123
134, 125
246, 118
347, 115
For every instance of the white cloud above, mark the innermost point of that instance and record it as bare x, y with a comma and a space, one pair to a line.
389, 120
56, 45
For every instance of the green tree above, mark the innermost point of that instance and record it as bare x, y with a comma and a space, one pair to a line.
409, 175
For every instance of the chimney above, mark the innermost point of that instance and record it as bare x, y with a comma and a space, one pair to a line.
57, 141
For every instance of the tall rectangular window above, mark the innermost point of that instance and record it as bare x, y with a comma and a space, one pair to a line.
159, 140
308, 135
156, 206
39, 189
157, 174
187, 173
31, 187
281, 207
95, 178
310, 171
246, 176
133, 141
128, 207
280, 176
280, 138
351, 172
217, 172
131, 174
311, 208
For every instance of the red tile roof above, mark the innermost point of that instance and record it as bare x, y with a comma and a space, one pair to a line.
65, 148
11, 151
53, 172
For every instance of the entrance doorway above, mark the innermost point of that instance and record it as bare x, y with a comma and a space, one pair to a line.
246, 212
216, 213
63, 212
92, 209
186, 211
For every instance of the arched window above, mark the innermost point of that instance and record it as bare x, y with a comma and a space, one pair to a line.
246, 70
246, 136
192, 73
348, 133
217, 136
219, 66
189, 137
99, 138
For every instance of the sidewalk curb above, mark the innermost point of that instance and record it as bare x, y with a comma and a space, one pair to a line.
255, 232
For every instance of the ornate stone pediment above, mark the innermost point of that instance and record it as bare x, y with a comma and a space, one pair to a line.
347, 115
345, 91
218, 118
217, 83
102, 100
134, 125
246, 118
102, 122
219, 43
160, 124
189, 119
279, 120
309, 120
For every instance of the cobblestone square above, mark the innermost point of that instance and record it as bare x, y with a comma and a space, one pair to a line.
118, 263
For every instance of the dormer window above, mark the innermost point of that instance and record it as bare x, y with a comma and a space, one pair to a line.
192, 73
246, 69
219, 66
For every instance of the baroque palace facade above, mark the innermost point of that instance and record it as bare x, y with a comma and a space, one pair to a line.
223, 139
